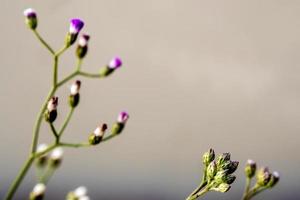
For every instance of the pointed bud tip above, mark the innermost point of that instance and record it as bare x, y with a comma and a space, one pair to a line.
123, 117
115, 63
76, 25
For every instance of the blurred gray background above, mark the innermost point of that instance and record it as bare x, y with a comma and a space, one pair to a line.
197, 74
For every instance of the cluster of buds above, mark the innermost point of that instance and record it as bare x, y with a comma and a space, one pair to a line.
79, 193
219, 172
74, 96
264, 178
75, 27
114, 64
119, 125
51, 112
97, 136
38, 192
31, 18
82, 47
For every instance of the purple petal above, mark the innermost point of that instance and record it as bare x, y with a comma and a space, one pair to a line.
123, 117
76, 25
29, 12
115, 63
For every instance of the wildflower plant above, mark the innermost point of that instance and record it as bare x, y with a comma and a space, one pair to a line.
48, 158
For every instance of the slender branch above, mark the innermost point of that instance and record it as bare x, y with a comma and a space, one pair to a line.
254, 191
75, 145
200, 193
43, 42
56, 135
39, 120
247, 188
109, 137
66, 122
90, 75
61, 51
202, 184
55, 70
19, 178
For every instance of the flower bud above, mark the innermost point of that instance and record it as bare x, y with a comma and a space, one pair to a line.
211, 170
41, 161
31, 18
118, 127
56, 157
220, 176
79, 193
114, 64
250, 168
222, 159
75, 96
51, 112
232, 166
274, 179
75, 26
97, 136
38, 192
208, 157
223, 187
82, 47
263, 176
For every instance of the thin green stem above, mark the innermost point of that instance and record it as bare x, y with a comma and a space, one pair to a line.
46, 177
19, 178
66, 79
37, 126
90, 75
66, 122
75, 145
61, 51
43, 42
55, 70
109, 137
202, 184
254, 191
247, 188
56, 135
200, 193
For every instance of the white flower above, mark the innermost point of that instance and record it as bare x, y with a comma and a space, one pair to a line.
75, 87
80, 192
39, 189
42, 147
57, 154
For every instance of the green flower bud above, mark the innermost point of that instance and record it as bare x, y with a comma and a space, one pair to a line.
41, 161
51, 112
220, 176
263, 176
223, 187
31, 18
222, 159
38, 192
208, 157
211, 170
75, 96
274, 179
82, 47
250, 168
106, 71
55, 158
97, 136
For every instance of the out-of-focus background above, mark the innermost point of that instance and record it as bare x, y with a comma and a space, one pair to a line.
197, 74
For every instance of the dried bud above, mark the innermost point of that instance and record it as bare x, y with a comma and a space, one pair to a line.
114, 64
75, 96
97, 136
232, 166
38, 192
222, 159
82, 47
211, 170
250, 168
75, 26
41, 161
263, 176
223, 187
274, 179
56, 157
51, 112
208, 157
31, 18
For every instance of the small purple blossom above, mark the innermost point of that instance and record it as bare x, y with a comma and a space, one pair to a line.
30, 13
115, 63
123, 117
76, 25
83, 40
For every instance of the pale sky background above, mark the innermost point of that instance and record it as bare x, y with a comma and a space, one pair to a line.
197, 74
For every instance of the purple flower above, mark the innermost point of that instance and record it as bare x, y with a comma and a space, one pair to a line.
75, 26
115, 63
83, 40
123, 117
30, 13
